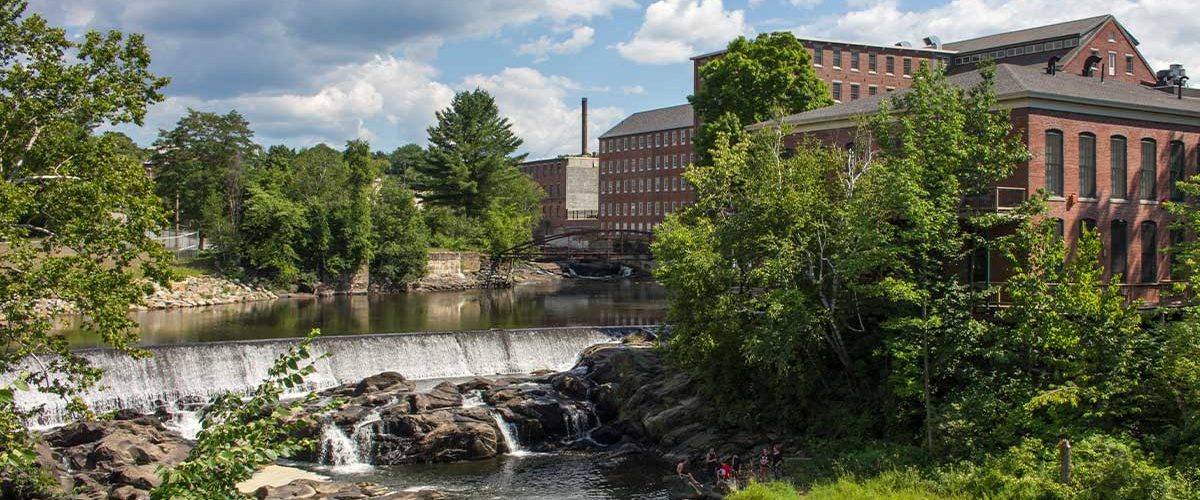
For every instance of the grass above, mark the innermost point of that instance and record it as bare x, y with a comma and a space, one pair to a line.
891, 485
765, 491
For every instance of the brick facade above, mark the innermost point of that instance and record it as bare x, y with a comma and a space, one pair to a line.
641, 177
570, 184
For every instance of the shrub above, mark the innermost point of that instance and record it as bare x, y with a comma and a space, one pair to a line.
766, 491
891, 485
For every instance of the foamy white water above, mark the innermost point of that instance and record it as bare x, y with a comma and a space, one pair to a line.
201, 371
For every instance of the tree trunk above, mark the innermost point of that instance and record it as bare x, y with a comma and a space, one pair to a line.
925, 355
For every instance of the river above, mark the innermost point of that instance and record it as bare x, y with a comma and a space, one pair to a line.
562, 303
193, 356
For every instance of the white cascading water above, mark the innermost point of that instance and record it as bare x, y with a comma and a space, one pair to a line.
510, 439
336, 448
200, 371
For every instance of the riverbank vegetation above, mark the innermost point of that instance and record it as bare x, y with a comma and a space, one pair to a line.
319, 216
826, 293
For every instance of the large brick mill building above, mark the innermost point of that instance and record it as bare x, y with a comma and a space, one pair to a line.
1107, 152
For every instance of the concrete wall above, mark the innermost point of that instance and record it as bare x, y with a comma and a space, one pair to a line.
583, 183
452, 264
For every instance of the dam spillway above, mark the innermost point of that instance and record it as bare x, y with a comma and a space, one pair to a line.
196, 372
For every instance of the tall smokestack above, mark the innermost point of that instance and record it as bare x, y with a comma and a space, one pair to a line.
583, 134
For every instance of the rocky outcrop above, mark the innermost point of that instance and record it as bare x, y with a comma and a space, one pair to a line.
310, 489
115, 459
203, 291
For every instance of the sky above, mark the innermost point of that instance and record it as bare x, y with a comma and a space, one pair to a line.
310, 71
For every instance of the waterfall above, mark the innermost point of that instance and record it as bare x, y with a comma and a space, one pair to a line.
506, 432
337, 449
197, 372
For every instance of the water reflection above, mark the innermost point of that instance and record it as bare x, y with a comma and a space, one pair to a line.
565, 303
542, 476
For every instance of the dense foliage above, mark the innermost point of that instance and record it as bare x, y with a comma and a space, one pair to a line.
240, 434
469, 178
754, 81
826, 291
75, 208
316, 215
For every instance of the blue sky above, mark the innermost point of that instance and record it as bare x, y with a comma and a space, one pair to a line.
309, 71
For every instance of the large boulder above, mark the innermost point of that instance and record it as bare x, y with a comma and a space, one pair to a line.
446, 435
118, 458
311, 489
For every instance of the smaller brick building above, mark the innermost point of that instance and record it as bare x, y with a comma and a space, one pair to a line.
570, 183
1107, 152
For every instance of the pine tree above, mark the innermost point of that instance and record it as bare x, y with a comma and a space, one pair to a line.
470, 161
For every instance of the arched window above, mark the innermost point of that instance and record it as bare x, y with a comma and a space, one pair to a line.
1147, 185
1176, 235
1149, 252
1087, 165
1177, 169
1054, 162
1119, 158
1118, 248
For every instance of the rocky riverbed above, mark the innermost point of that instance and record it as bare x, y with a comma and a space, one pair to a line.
619, 402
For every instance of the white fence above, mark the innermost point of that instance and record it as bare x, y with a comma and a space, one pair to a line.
178, 241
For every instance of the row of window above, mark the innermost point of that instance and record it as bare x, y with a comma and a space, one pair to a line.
645, 185
856, 60
1118, 246
646, 163
634, 226
1018, 51
855, 93
1112, 62
1147, 178
643, 141
541, 170
639, 208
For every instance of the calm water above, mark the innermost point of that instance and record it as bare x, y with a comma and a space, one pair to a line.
565, 303
557, 476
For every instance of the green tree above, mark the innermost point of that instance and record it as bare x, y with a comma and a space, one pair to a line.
405, 161
471, 159
401, 238
75, 210
201, 171
755, 81
941, 146
271, 229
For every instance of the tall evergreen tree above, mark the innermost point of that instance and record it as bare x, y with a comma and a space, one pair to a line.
471, 159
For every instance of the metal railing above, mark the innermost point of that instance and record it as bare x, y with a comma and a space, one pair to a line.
177, 241
582, 214
997, 199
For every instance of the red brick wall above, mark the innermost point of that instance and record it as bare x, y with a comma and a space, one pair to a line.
616, 201
1102, 209
1121, 46
551, 175
1032, 125
864, 77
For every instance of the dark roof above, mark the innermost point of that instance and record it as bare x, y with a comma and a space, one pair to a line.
828, 41
1016, 81
1078, 27
653, 120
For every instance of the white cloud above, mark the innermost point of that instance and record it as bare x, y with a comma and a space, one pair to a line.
541, 48
633, 90
674, 30
544, 109
807, 4
1166, 29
